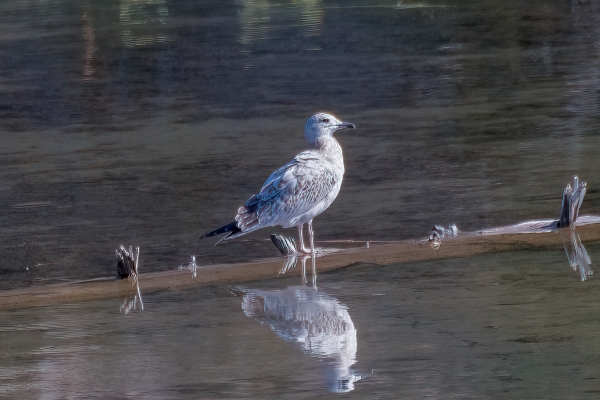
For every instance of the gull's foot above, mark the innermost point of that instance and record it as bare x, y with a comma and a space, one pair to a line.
303, 252
307, 252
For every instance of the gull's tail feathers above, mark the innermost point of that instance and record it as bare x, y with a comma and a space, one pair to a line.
231, 230
247, 220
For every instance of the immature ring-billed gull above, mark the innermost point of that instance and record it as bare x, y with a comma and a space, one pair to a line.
300, 190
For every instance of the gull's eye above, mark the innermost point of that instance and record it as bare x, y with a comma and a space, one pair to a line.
325, 120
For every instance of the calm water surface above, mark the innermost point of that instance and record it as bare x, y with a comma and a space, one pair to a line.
516, 325
149, 122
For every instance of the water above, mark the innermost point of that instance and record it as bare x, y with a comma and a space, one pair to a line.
512, 325
149, 122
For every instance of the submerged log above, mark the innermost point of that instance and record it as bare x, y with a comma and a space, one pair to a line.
527, 235
465, 245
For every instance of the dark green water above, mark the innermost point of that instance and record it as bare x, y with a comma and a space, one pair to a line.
149, 122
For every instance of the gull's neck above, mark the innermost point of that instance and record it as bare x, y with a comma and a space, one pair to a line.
329, 149
324, 143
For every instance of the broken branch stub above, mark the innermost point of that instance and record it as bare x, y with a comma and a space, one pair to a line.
127, 262
285, 245
571, 202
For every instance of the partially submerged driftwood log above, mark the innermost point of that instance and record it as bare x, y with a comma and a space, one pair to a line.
569, 211
532, 234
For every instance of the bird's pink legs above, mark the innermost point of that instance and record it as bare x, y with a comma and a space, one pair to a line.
312, 251
302, 249
306, 252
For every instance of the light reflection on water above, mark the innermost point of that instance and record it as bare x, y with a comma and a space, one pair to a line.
90, 47
261, 19
134, 13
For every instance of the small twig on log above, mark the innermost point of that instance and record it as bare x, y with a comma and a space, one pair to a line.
191, 266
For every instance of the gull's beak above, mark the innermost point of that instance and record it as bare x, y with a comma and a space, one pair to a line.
346, 125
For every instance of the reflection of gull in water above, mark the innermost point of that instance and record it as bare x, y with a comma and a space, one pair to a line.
287, 246
291, 262
317, 323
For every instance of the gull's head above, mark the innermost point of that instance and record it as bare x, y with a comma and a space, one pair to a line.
320, 125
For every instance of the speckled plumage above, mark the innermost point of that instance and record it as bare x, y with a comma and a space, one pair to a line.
300, 190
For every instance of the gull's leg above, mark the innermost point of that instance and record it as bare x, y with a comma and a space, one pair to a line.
302, 249
314, 276
300, 238
304, 269
311, 233
312, 251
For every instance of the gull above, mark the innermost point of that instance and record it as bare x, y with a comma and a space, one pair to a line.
300, 190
